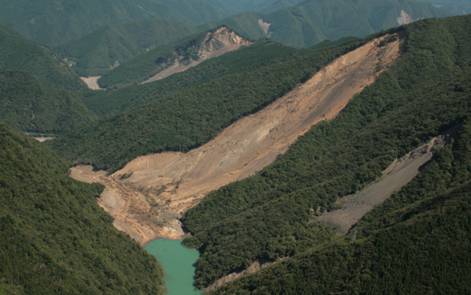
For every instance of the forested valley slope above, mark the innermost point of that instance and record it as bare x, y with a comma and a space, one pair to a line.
54, 239
341, 168
422, 231
149, 194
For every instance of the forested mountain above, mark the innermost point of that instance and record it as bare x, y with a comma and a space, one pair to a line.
57, 22
19, 54
97, 36
37, 91
112, 45
263, 6
188, 109
54, 239
29, 104
456, 6
175, 74
162, 62
313, 21
422, 232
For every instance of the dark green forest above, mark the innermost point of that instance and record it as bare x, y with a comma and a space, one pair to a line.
53, 236
38, 92
34, 106
99, 52
55, 239
188, 109
21, 55
418, 242
270, 215
153, 61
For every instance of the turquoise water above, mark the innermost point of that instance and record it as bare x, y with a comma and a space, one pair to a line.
177, 262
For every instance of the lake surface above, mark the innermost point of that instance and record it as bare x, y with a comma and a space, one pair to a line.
177, 262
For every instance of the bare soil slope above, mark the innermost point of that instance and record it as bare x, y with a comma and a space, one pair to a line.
215, 44
150, 193
396, 176
92, 82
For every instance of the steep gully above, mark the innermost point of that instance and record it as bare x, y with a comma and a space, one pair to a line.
148, 196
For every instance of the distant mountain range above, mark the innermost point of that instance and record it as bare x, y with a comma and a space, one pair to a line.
96, 37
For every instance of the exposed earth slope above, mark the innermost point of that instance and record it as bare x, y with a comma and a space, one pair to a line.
402, 171
169, 184
215, 43
165, 61
189, 109
274, 214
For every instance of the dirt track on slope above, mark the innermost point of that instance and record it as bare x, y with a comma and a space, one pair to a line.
151, 192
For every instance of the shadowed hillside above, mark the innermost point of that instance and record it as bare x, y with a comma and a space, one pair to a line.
54, 239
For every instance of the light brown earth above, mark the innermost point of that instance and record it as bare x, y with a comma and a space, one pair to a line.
215, 44
404, 18
148, 196
395, 177
92, 82
264, 26
43, 138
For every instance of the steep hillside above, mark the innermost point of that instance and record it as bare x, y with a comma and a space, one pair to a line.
189, 109
273, 215
19, 54
423, 232
455, 6
163, 62
57, 22
53, 236
32, 105
112, 45
147, 207
37, 92
256, 5
313, 21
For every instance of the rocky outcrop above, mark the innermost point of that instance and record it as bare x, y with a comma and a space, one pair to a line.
215, 43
